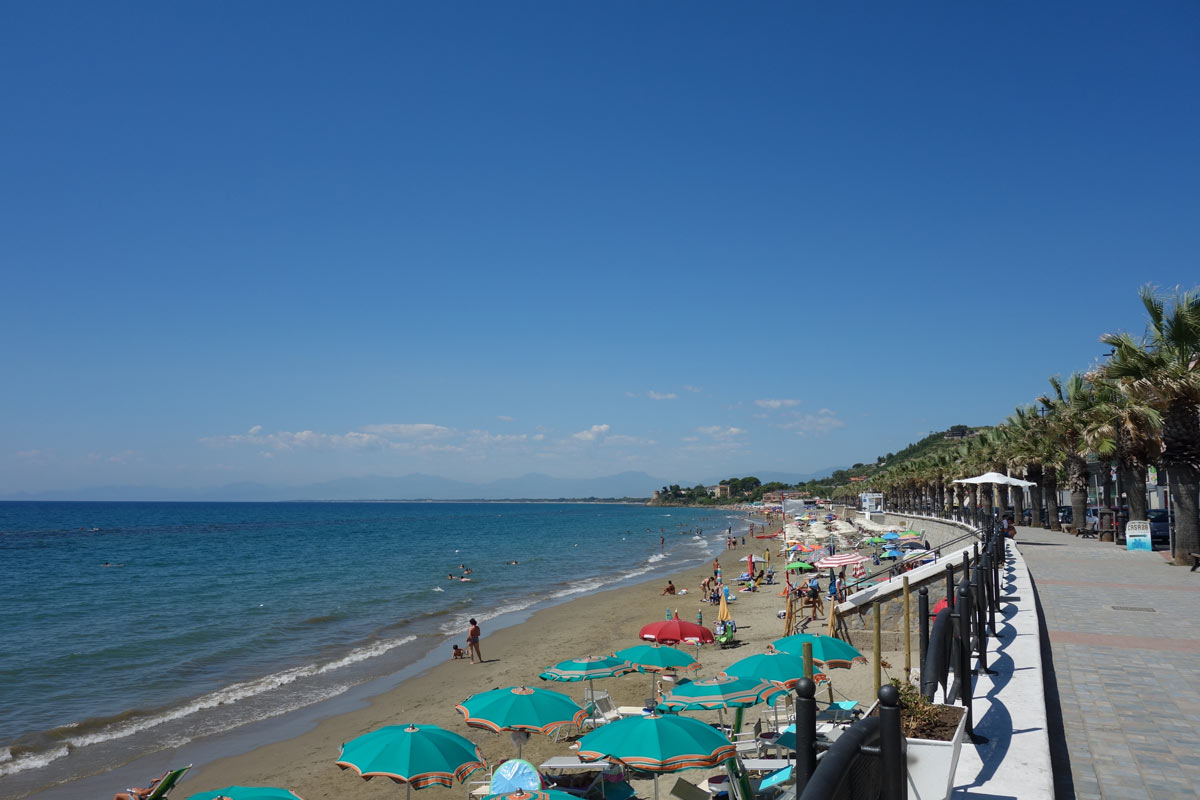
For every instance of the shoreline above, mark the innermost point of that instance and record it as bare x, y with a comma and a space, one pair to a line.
212, 753
593, 623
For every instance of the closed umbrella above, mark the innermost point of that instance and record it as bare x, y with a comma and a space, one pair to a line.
520, 708
415, 755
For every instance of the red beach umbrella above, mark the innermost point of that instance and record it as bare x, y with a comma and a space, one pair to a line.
672, 631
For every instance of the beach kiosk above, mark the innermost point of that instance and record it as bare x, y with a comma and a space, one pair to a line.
872, 502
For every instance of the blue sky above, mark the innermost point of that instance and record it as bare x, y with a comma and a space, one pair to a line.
289, 242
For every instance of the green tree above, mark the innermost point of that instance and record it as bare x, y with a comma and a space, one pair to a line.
1163, 371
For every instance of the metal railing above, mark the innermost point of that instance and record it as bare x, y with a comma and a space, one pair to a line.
868, 761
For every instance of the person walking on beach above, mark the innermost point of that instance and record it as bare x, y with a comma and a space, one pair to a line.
473, 641
716, 568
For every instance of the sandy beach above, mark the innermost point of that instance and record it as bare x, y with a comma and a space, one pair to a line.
595, 624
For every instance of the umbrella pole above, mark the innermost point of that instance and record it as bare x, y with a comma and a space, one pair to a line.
407, 790
656, 786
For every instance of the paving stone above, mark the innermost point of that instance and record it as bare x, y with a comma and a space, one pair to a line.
1128, 682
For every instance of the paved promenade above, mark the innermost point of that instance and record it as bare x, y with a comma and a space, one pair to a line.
1125, 648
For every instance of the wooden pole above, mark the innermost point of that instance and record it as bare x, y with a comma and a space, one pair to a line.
878, 649
907, 632
808, 662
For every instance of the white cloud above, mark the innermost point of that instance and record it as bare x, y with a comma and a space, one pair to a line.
257, 429
623, 439
504, 418
691, 438
824, 421
419, 430
717, 432
693, 389
777, 403
592, 433
653, 395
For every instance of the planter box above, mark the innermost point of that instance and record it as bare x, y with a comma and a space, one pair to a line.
931, 764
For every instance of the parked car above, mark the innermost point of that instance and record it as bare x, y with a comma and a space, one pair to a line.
1159, 524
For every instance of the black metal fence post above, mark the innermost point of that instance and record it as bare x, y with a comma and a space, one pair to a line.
950, 585
923, 623
892, 756
966, 686
979, 609
806, 732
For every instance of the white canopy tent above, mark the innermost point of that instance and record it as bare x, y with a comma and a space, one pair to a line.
996, 477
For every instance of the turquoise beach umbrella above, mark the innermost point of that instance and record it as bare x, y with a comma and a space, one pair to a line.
415, 755
723, 691
247, 793
589, 668
521, 708
779, 667
890, 535
652, 658
658, 744
892, 553
828, 651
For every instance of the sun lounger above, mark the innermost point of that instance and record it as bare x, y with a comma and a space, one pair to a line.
685, 790
163, 787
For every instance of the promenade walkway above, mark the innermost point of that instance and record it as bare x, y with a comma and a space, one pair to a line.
1125, 649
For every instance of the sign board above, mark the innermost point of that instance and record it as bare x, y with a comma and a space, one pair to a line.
1137, 536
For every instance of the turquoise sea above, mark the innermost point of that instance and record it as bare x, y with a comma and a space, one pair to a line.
218, 615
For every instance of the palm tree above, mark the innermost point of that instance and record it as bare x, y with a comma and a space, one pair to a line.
1128, 430
1025, 435
1071, 411
1163, 371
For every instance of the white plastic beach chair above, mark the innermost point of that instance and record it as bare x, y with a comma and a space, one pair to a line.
602, 712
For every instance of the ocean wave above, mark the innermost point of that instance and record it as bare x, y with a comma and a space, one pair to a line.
656, 558
133, 722
11, 765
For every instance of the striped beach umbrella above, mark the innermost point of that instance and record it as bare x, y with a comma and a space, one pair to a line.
588, 669
415, 755
828, 651
658, 744
778, 667
521, 708
841, 560
722, 691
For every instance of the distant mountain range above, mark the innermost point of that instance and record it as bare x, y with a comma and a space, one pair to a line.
415, 486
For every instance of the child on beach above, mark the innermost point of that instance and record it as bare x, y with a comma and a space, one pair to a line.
458, 652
